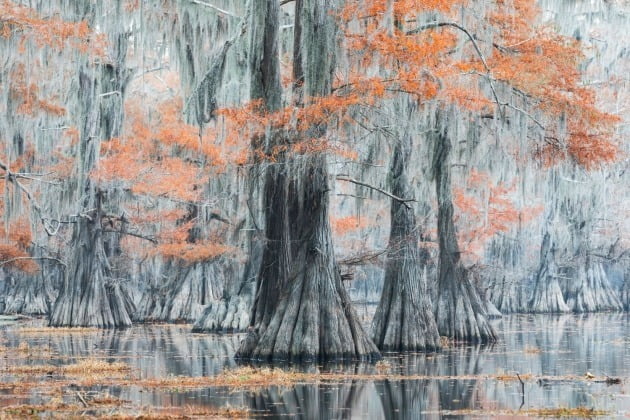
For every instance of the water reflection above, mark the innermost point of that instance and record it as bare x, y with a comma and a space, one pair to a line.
446, 383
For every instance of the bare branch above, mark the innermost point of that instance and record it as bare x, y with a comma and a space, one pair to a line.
10, 260
403, 201
13, 178
135, 235
215, 8
364, 258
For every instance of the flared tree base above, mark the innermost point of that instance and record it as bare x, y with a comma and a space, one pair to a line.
461, 313
547, 297
313, 321
226, 315
591, 291
27, 296
98, 306
403, 320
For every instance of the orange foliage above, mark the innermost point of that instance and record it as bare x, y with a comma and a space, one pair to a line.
344, 225
162, 158
26, 94
14, 245
485, 209
191, 253
27, 23
431, 63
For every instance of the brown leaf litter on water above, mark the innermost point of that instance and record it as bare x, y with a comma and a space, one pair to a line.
88, 368
112, 408
559, 412
56, 330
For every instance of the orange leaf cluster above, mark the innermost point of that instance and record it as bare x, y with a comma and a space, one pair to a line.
163, 158
27, 95
27, 23
440, 63
485, 209
344, 225
14, 245
191, 253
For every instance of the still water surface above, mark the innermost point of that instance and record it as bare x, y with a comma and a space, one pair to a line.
540, 345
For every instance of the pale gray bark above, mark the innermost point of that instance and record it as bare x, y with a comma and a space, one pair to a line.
87, 297
460, 311
547, 295
231, 313
403, 320
91, 295
588, 289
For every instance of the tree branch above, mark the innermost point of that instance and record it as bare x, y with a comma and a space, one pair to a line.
10, 260
215, 8
403, 201
472, 39
361, 259
13, 178
135, 235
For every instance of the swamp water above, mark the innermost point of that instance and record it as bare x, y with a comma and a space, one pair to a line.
551, 354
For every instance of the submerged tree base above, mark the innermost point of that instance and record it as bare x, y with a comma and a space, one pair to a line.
228, 314
590, 291
315, 321
461, 313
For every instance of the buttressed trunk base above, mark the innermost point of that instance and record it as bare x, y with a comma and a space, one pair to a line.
302, 310
460, 312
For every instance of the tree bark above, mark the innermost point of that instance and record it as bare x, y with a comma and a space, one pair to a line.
87, 297
589, 290
460, 312
547, 296
232, 312
403, 320
302, 310
625, 289
31, 294
90, 296
27, 294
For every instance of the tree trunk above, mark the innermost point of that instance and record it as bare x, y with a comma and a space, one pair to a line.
625, 289
191, 289
90, 296
86, 299
231, 313
588, 289
547, 296
403, 320
508, 294
26, 295
460, 311
302, 310
32, 294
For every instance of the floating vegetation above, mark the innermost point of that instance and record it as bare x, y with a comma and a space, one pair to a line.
87, 369
562, 412
383, 366
581, 412
532, 350
112, 408
515, 377
56, 330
